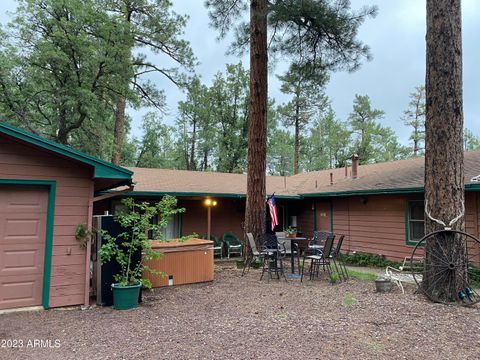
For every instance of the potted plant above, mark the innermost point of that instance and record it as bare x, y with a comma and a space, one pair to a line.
291, 232
137, 220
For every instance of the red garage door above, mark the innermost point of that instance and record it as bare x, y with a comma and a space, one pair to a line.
23, 212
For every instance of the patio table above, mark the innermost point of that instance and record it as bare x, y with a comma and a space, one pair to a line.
292, 240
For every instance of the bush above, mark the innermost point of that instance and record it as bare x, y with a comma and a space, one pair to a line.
365, 259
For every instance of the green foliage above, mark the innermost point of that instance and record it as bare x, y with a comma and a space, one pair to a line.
137, 220
212, 127
307, 103
279, 152
314, 34
361, 275
82, 235
474, 274
372, 142
65, 63
156, 147
334, 277
256, 262
472, 142
414, 117
349, 300
56, 62
365, 259
290, 230
327, 145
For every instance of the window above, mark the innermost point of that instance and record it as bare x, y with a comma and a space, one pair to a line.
415, 221
172, 231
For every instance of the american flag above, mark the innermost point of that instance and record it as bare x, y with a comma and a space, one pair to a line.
272, 205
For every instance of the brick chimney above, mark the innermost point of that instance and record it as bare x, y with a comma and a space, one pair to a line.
354, 166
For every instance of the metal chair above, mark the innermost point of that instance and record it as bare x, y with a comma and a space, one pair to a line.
233, 244
321, 257
341, 269
290, 246
252, 254
318, 241
217, 245
274, 253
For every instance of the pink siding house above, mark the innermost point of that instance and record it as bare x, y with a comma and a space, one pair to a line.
46, 191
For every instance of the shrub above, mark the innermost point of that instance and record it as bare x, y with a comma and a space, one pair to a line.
365, 259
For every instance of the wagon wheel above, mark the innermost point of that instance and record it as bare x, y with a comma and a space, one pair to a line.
446, 274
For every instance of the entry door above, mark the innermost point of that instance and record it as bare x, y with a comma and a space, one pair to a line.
323, 215
23, 213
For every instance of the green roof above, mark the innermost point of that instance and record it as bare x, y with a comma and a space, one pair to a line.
103, 169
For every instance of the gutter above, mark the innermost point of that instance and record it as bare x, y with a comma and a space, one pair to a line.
199, 194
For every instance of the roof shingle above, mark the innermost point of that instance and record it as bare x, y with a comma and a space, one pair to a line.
394, 175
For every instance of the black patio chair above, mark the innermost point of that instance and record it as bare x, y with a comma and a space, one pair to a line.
336, 255
217, 245
273, 255
320, 257
318, 241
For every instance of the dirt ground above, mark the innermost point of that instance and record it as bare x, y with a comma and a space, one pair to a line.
244, 318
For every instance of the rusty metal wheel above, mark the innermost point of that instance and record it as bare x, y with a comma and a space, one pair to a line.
448, 274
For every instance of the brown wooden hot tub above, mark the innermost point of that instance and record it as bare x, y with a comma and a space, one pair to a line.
184, 262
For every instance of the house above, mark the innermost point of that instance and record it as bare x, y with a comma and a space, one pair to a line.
46, 191
379, 207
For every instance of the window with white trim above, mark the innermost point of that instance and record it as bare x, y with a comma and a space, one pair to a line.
416, 220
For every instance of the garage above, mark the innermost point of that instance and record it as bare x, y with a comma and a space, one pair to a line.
47, 191
23, 215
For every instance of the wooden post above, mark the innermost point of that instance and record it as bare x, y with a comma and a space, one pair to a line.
209, 221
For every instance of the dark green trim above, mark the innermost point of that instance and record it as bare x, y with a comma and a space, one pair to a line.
315, 216
47, 261
103, 169
407, 222
472, 187
180, 194
199, 194
366, 192
331, 216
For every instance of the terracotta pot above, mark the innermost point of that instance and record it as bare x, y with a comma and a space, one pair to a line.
292, 236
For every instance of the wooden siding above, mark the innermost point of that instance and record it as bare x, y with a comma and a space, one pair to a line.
376, 224
187, 263
227, 216
73, 193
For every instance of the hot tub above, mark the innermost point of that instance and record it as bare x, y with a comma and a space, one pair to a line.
183, 262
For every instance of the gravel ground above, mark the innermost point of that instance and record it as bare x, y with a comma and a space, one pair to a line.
244, 318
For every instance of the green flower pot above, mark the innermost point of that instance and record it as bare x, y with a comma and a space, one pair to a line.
125, 297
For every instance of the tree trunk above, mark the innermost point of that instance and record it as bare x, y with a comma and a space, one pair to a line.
444, 173
119, 129
297, 137
415, 141
193, 166
257, 134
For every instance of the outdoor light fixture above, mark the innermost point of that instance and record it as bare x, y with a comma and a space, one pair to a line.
209, 203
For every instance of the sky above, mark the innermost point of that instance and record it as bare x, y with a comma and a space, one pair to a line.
397, 41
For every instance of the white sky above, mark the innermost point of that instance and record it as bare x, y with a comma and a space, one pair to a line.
397, 41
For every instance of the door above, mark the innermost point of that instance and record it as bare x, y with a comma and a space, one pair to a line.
23, 214
323, 209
